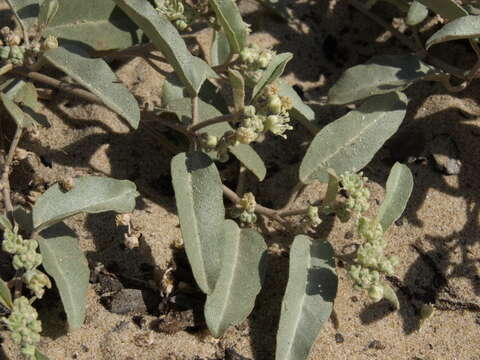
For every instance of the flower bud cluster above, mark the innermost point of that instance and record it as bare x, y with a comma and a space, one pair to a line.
370, 259
213, 143
246, 210
24, 325
26, 257
254, 61
269, 113
15, 51
356, 191
175, 12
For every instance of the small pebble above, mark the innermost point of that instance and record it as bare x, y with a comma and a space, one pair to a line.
128, 301
339, 339
376, 344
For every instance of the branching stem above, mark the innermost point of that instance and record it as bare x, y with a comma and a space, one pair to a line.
4, 181
215, 120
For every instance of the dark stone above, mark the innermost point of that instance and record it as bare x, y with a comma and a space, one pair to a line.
176, 321
127, 301
339, 339
376, 345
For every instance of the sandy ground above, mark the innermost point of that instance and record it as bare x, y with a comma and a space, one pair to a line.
436, 240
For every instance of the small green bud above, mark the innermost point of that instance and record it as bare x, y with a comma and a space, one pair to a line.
275, 104
5, 52
50, 42
212, 141
249, 111
245, 135
181, 25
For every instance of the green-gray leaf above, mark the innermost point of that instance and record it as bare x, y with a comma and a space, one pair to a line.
417, 12
244, 153
15, 112
237, 83
48, 10
389, 294
40, 356
229, 18
27, 10
67, 265
466, 27
220, 49
308, 301
97, 77
240, 279
5, 223
399, 188
166, 38
349, 143
99, 24
5, 295
199, 198
272, 72
448, 9
90, 194
299, 111
380, 75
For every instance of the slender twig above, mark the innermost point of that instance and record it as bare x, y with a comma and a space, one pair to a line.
5, 182
20, 23
195, 118
62, 85
242, 176
215, 120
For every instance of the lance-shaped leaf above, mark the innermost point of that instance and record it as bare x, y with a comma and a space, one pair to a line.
244, 153
238, 88
25, 93
166, 38
389, 294
240, 279
99, 24
380, 75
448, 9
308, 301
273, 71
417, 12
90, 194
48, 10
229, 18
5, 295
5, 223
399, 188
96, 76
349, 143
67, 265
15, 112
466, 27
199, 198
299, 111
220, 49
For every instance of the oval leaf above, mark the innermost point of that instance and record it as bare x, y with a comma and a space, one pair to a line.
417, 12
15, 112
448, 9
48, 10
349, 143
466, 27
199, 197
67, 265
308, 301
244, 153
220, 50
99, 24
390, 295
192, 71
380, 75
90, 194
97, 77
299, 111
272, 72
228, 15
399, 188
240, 279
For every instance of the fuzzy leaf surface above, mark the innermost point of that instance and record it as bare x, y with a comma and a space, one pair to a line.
350, 142
90, 194
67, 265
96, 76
380, 75
220, 49
398, 191
238, 88
417, 12
16, 112
229, 18
274, 70
466, 27
448, 9
308, 300
199, 198
244, 153
40, 356
48, 10
390, 295
192, 71
5, 295
27, 10
299, 111
99, 24
240, 279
